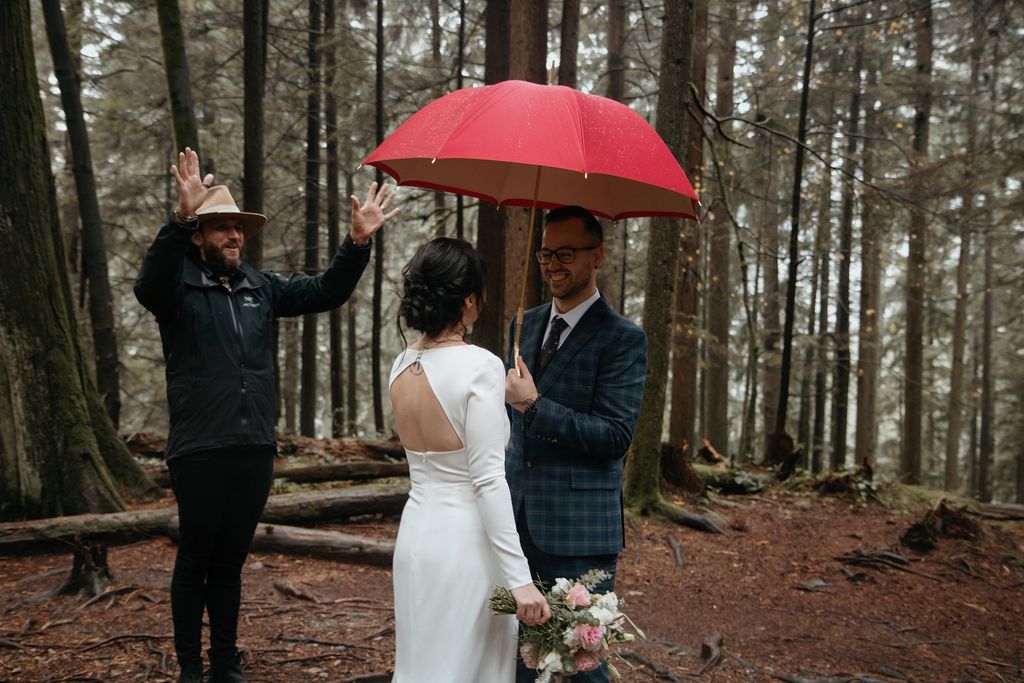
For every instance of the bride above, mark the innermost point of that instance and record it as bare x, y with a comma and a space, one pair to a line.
457, 538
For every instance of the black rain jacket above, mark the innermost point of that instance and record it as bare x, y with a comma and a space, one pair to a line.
218, 340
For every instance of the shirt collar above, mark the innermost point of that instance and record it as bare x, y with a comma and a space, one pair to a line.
575, 314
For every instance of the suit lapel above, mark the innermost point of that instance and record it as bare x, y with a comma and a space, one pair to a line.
578, 338
534, 326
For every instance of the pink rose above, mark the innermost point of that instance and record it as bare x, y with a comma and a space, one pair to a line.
578, 596
529, 654
586, 661
590, 636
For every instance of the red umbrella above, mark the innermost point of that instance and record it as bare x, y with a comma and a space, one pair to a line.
497, 142
494, 143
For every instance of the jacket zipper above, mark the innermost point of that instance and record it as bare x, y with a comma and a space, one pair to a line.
243, 407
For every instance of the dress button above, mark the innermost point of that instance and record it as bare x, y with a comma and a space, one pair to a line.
529, 463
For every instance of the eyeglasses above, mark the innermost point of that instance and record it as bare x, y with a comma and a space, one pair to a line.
565, 255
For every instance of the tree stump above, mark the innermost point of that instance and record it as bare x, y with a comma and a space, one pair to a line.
90, 573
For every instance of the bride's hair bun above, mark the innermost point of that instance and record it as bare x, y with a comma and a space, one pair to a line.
436, 282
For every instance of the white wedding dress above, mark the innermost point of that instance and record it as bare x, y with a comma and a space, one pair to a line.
457, 538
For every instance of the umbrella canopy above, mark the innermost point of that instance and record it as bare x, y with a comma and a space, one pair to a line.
492, 143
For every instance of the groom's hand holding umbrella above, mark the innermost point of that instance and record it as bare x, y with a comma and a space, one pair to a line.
520, 389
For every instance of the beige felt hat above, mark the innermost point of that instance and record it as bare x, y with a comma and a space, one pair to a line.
219, 204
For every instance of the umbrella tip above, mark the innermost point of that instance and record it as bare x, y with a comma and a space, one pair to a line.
433, 161
359, 167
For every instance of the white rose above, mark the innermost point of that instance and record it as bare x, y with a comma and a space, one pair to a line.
571, 639
609, 601
603, 615
552, 662
562, 586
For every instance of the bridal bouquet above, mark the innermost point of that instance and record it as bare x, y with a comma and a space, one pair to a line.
583, 629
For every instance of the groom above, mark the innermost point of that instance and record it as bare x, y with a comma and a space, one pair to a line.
573, 412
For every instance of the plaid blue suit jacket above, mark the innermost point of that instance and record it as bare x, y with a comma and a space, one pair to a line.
565, 469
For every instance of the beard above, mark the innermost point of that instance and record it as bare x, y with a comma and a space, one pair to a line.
218, 263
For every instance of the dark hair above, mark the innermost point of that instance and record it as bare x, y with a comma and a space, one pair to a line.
436, 282
590, 224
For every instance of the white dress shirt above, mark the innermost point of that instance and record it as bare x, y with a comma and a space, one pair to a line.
572, 317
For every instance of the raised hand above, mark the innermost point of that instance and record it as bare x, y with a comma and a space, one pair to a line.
367, 218
191, 189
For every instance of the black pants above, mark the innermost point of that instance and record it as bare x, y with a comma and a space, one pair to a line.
550, 567
220, 497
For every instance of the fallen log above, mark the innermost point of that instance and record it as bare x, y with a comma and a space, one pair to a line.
321, 543
303, 508
345, 471
1000, 511
733, 481
388, 450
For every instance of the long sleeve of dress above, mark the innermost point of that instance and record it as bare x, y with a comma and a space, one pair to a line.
486, 435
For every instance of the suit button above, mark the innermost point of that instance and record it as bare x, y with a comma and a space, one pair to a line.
529, 463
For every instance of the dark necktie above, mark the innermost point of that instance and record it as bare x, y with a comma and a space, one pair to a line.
558, 326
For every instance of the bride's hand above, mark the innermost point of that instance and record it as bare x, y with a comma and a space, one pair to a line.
531, 607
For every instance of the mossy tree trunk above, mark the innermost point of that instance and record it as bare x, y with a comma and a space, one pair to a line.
179, 82
59, 453
94, 250
642, 493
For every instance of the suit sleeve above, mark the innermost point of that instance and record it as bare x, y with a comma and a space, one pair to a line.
300, 294
486, 435
607, 430
158, 286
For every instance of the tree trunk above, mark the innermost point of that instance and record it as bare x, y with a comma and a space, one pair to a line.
310, 350
179, 83
821, 349
337, 374
683, 395
528, 30
794, 243
460, 227
772, 301
254, 60
570, 43
55, 439
378, 261
489, 330
94, 250
350, 330
841, 382
719, 289
440, 207
972, 447
803, 430
291, 374
951, 480
869, 349
305, 507
610, 276
910, 451
987, 439
642, 478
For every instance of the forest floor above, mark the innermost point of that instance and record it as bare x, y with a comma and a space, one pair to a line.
786, 608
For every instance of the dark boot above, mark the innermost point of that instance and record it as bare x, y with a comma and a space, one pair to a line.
191, 672
228, 671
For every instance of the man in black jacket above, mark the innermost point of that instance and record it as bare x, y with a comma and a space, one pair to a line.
216, 315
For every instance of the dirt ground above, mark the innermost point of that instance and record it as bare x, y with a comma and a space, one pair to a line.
785, 607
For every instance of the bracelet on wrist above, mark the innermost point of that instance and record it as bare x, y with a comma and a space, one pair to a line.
184, 220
